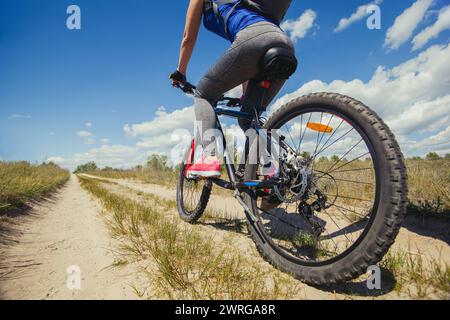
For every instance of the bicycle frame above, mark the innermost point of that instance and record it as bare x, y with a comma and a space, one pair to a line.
233, 183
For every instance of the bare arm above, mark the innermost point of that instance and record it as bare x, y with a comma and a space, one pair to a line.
193, 21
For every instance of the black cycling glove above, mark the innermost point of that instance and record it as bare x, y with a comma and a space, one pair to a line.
177, 76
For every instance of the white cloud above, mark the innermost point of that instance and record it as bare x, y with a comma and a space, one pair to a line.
360, 13
299, 28
57, 160
412, 97
163, 123
88, 124
104, 141
87, 137
406, 23
439, 143
89, 141
167, 133
442, 23
84, 134
20, 116
118, 156
423, 114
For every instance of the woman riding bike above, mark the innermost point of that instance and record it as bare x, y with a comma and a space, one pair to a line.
336, 201
251, 35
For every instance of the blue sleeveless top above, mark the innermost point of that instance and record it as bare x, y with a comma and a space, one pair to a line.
239, 19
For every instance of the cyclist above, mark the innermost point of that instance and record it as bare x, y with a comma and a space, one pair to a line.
251, 36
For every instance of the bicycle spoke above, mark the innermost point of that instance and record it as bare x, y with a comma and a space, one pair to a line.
346, 217
339, 228
359, 214
343, 157
306, 129
346, 164
301, 131
318, 136
290, 136
350, 181
331, 238
350, 198
361, 169
321, 139
332, 135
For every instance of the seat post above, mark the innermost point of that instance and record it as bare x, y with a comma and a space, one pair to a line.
263, 86
254, 97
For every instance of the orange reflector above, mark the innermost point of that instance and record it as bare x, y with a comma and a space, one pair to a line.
319, 127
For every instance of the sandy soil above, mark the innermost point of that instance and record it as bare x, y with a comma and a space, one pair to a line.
64, 231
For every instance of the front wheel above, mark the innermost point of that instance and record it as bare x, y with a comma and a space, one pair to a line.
192, 194
344, 193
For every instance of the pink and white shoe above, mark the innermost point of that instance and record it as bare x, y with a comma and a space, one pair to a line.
206, 167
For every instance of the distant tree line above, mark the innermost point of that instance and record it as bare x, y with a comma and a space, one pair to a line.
160, 163
155, 162
432, 156
87, 167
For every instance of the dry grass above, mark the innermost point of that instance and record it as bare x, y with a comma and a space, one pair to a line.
21, 182
419, 277
429, 186
188, 264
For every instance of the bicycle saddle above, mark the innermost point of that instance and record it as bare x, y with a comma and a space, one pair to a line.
278, 63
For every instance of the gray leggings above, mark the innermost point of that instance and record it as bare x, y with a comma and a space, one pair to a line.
238, 65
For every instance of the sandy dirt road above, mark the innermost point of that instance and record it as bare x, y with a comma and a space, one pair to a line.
65, 231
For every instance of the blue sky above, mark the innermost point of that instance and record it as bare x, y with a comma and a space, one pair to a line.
97, 93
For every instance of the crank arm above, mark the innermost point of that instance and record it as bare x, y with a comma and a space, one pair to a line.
223, 184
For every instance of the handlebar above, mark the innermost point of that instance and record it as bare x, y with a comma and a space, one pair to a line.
186, 87
189, 88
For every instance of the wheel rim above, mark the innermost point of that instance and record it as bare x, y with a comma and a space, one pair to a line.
350, 181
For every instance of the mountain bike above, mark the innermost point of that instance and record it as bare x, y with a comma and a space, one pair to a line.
338, 198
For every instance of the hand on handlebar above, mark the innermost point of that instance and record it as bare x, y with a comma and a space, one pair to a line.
177, 77
179, 81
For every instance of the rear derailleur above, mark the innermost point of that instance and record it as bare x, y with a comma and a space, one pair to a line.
308, 210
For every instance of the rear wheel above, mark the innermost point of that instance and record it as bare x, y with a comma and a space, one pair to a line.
344, 196
192, 194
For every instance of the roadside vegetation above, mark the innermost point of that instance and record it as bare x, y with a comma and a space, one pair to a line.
183, 263
419, 277
21, 182
429, 186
